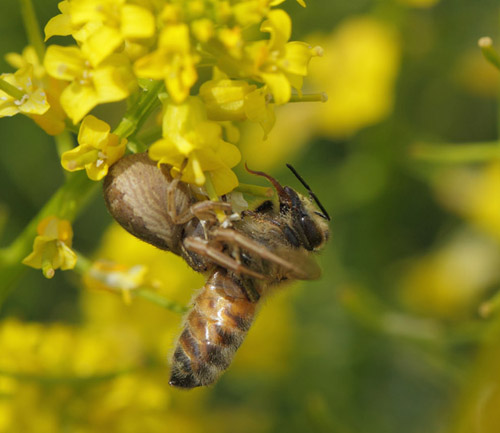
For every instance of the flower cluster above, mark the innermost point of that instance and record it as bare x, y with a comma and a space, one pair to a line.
219, 61
208, 64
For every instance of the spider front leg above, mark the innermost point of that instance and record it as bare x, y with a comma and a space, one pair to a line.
203, 210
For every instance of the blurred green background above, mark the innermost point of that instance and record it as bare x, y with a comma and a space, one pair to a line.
390, 339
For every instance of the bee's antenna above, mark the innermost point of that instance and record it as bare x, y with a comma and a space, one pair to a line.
311, 194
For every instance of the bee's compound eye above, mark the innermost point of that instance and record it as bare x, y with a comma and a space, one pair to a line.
311, 231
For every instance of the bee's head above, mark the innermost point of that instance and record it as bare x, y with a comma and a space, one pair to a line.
309, 224
308, 220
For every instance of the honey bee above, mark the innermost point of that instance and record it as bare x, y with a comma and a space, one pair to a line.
244, 258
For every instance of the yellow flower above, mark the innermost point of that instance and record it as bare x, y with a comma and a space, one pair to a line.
473, 194
102, 26
52, 120
225, 99
27, 57
279, 63
52, 247
448, 282
190, 139
97, 150
111, 81
33, 99
236, 100
358, 73
114, 277
173, 62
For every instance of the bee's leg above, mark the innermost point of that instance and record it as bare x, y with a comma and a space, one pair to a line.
231, 236
247, 283
203, 248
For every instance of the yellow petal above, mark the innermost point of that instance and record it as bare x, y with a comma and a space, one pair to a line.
225, 99
101, 44
224, 180
35, 258
97, 170
35, 103
66, 258
180, 80
64, 63
79, 157
60, 25
165, 152
175, 38
93, 132
77, 100
279, 86
279, 25
113, 79
151, 66
229, 153
297, 57
137, 22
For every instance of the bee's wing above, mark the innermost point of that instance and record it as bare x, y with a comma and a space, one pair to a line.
303, 265
135, 192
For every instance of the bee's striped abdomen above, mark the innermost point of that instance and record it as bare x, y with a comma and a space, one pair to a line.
214, 329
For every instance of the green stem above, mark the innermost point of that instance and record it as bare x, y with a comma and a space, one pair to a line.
311, 97
32, 28
153, 297
489, 53
150, 135
66, 203
83, 265
257, 191
456, 153
138, 113
64, 142
11, 90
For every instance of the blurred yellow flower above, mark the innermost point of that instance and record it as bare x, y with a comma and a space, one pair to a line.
194, 144
473, 194
419, 3
278, 63
90, 372
449, 281
31, 98
114, 277
98, 149
358, 72
476, 75
225, 99
52, 247
89, 86
27, 57
52, 120
101, 26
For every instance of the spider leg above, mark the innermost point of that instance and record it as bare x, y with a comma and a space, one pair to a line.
203, 210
